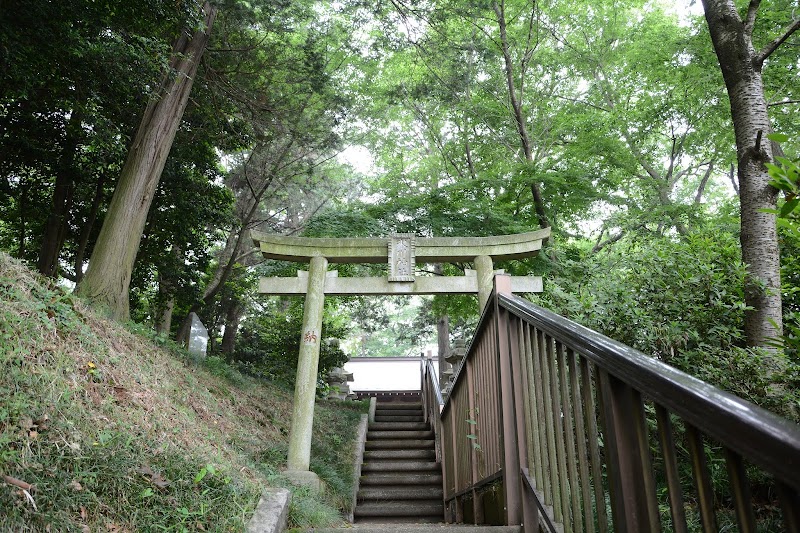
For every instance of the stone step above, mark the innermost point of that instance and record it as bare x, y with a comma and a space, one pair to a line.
403, 418
374, 455
394, 426
400, 466
371, 525
400, 508
400, 444
394, 524
398, 412
395, 478
398, 405
400, 493
413, 434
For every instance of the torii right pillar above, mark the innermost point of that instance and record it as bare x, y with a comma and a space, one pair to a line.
485, 271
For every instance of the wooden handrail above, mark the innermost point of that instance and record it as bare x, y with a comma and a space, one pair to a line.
765, 438
571, 421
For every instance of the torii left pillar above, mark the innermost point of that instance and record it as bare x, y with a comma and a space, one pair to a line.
305, 388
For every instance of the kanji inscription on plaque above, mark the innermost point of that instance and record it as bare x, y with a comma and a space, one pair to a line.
401, 257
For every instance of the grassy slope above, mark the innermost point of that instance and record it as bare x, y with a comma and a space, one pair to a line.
119, 432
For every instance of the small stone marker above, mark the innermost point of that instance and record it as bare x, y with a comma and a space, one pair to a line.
337, 380
198, 336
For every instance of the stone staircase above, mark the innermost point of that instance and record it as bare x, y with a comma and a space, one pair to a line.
401, 481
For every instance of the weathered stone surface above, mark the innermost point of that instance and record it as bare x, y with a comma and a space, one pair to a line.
485, 277
374, 285
308, 362
198, 336
427, 250
272, 512
402, 257
305, 478
358, 461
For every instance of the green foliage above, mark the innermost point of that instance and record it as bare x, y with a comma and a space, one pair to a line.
785, 176
681, 301
70, 96
269, 341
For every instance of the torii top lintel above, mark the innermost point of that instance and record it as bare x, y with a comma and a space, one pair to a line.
375, 250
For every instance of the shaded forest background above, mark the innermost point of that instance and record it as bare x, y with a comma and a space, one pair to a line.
611, 122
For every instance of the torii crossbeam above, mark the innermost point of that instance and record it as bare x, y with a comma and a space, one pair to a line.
402, 251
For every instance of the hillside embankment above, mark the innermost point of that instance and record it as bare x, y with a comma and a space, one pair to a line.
107, 427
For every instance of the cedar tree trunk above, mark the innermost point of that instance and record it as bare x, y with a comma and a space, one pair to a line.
108, 277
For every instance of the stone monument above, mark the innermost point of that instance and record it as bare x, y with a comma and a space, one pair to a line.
198, 336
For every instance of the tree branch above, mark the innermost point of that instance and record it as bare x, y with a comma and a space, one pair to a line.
772, 46
616, 238
732, 177
702, 187
750, 19
783, 102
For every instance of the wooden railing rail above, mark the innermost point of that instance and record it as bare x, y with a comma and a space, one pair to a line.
554, 426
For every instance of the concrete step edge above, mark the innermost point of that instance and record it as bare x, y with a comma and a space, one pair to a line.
374, 527
400, 444
400, 508
394, 480
408, 434
401, 468
377, 455
398, 405
384, 493
399, 426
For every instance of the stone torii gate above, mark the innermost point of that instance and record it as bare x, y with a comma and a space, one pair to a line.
402, 251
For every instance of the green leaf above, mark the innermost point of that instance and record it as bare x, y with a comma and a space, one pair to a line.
788, 207
200, 475
778, 137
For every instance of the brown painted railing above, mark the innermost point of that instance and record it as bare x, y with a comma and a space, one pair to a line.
554, 426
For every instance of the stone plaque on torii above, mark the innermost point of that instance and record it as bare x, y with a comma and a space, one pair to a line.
401, 251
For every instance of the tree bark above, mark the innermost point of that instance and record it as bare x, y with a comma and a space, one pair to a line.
166, 304
108, 277
233, 316
55, 230
741, 68
519, 116
86, 228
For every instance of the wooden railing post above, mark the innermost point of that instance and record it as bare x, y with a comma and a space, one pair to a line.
530, 515
477, 505
511, 460
633, 499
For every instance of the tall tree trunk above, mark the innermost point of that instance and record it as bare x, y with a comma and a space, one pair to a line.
166, 304
233, 316
741, 68
86, 228
55, 230
519, 116
108, 277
